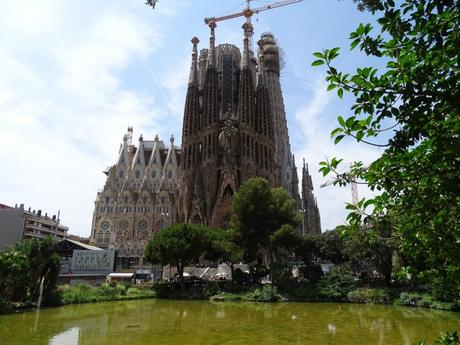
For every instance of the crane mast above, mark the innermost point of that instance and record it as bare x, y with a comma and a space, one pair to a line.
351, 178
248, 11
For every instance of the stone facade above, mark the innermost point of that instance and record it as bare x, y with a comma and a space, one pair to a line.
138, 197
234, 128
311, 221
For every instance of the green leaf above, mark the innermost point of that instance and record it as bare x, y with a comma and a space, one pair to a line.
317, 63
335, 162
318, 55
369, 202
338, 139
340, 92
325, 170
336, 131
331, 87
341, 121
355, 43
350, 121
333, 53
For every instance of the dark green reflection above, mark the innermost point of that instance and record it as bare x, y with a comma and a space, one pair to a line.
196, 322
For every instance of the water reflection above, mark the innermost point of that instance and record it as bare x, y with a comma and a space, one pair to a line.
69, 337
196, 322
332, 329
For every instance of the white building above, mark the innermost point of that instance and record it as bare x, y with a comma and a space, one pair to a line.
17, 224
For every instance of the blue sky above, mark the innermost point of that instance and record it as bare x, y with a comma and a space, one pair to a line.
74, 74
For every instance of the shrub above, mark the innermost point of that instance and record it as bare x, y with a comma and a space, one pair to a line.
121, 288
268, 293
280, 272
211, 289
78, 294
106, 290
145, 285
165, 290
63, 288
336, 284
369, 296
311, 272
240, 277
225, 296
5, 305
132, 291
416, 299
408, 299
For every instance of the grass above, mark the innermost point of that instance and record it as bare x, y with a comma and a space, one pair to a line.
105, 292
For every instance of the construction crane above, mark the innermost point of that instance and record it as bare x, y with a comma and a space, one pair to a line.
353, 185
248, 11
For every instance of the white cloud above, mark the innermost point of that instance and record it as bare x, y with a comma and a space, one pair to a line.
31, 19
316, 120
64, 107
174, 84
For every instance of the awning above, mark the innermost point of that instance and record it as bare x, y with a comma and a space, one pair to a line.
121, 275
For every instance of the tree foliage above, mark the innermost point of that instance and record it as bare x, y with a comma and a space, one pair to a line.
411, 109
264, 220
178, 245
151, 3
223, 246
368, 255
23, 266
368, 5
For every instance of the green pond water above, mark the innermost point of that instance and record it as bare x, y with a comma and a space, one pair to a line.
152, 321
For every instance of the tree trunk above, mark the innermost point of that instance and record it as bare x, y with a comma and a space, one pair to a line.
180, 271
270, 255
231, 270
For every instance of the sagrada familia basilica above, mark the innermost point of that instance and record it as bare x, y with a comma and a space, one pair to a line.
234, 128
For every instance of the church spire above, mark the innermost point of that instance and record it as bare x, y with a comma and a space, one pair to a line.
246, 92
263, 116
210, 87
261, 82
191, 123
212, 46
193, 79
248, 30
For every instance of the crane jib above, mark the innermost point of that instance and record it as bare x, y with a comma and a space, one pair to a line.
248, 12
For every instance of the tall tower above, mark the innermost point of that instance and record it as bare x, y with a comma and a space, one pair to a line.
229, 132
283, 155
311, 222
